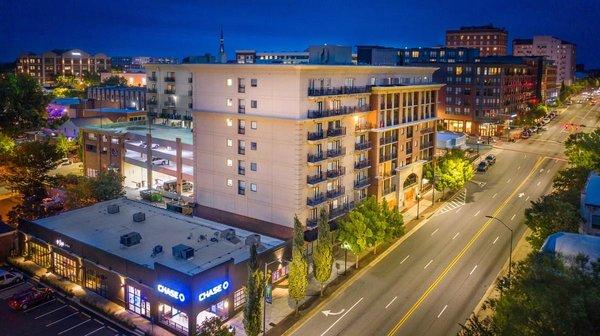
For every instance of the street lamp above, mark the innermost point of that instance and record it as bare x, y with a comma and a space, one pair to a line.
418, 203
511, 244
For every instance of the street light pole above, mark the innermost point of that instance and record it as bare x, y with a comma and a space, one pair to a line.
511, 245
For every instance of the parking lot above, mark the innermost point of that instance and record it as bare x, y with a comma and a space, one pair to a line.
58, 316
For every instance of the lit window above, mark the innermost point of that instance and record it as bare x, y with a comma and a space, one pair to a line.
229, 182
253, 187
229, 122
229, 102
229, 143
253, 124
229, 162
229, 82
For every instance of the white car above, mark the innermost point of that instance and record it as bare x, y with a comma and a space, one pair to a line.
9, 278
160, 161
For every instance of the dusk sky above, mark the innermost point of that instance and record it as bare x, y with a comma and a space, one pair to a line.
181, 28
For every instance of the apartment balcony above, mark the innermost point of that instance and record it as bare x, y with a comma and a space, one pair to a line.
316, 200
362, 146
337, 152
314, 179
387, 140
335, 173
340, 210
169, 104
241, 109
312, 223
241, 89
362, 164
167, 91
334, 132
389, 189
426, 144
362, 183
314, 158
363, 127
388, 157
241, 130
336, 192
341, 90
241, 170
313, 136
152, 78
169, 79
151, 103
152, 90
242, 151
345, 110
428, 130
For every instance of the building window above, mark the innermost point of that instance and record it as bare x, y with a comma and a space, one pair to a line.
253, 166
253, 103
253, 187
595, 222
229, 182
65, 267
229, 162
239, 298
40, 254
229, 82
229, 143
136, 303
96, 282
253, 82
229, 102
253, 125
253, 145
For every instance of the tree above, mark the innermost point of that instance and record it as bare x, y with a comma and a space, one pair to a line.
298, 242
354, 233
115, 81
530, 118
453, 171
64, 146
254, 295
395, 222
214, 326
569, 182
7, 146
583, 149
22, 104
375, 220
323, 255
297, 277
548, 215
107, 185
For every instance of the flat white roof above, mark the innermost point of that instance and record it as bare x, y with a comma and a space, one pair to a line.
94, 226
158, 131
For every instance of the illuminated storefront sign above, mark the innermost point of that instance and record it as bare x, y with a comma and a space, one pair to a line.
214, 290
61, 243
171, 292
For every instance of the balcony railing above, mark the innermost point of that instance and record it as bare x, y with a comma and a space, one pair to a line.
152, 90
169, 91
338, 90
362, 164
242, 170
363, 127
331, 153
314, 179
152, 102
242, 151
336, 192
344, 110
388, 157
333, 132
241, 191
241, 130
390, 189
314, 158
169, 104
152, 78
312, 223
315, 135
169, 79
336, 172
340, 210
241, 89
362, 183
387, 140
362, 145
427, 130
242, 109
315, 200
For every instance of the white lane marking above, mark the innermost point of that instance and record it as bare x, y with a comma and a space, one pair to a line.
494, 196
434, 231
64, 318
341, 317
508, 181
458, 210
403, 260
440, 314
541, 170
527, 199
86, 315
473, 270
73, 327
548, 171
456, 235
394, 299
521, 195
513, 217
112, 329
61, 300
429, 263
50, 312
495, 240
477, 213
519, 167
93, 331
540, 182
38, 306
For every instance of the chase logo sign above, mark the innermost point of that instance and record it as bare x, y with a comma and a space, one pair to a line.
171, 292
214, 290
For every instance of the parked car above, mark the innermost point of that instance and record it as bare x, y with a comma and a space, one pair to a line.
9, 278
153, 146
160, 161
482, 166
490, 159
546, 120
30, 297
525, 134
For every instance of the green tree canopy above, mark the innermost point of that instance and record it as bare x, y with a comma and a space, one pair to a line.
297, 277
65, 146
323, 254
298, 242
115, 81
530, 118
107, 185
22, 104
354, 234
583, 149
254, 295
214, 326
550, 214
453, 171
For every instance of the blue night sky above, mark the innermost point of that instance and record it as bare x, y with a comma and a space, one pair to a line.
180, 28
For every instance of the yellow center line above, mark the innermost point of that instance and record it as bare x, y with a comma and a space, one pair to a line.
462, 252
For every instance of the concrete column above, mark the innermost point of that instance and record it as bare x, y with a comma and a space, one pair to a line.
179, 163
149, 160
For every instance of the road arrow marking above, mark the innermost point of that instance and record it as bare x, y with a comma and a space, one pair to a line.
328, 312
521, 195
341, 317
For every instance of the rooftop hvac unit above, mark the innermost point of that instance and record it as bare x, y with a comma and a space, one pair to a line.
158, 249
183, 252
253, 239
131, 238
139, 217
229, 235
112, 209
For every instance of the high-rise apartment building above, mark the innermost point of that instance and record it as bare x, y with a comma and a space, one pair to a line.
490, 40
169, 94
275, 141
73, 62
552, 48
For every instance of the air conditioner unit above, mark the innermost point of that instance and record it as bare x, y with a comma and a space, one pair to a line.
112, 209
182, 252
130, 239
253, 239
139, 217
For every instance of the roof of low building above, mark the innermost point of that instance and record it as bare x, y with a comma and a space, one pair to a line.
5, 228
572, 244
592, 190
89, 121
66, 101
158, 131
96, 227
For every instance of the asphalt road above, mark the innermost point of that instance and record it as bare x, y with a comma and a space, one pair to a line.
433, 280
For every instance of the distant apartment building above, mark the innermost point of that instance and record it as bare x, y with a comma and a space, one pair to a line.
283, 57
137, 78
275, 141
490, 40
169, 94
552, 48
438, 55
136, 63
69, 62
546, 83
377, 55
122, 97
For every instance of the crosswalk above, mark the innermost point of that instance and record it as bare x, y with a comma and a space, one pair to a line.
454, 203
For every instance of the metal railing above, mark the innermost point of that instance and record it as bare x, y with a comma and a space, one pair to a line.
336, 192
362, 145
336, 172
169, 91
315, 200
344, 110
362, 183
313, 158
338, 90
314, 179
363, 127
315, 135
362, 164
169, 79
331, 153
333, 132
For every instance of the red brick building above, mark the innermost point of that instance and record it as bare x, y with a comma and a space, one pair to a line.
490, 40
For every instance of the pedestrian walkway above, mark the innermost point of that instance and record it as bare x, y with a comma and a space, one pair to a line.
454, 203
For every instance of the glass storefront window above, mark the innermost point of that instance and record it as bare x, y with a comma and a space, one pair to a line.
40, 254
96, 282
136, 303
279, 273
239, 298
220, 309
65, 267
173, 317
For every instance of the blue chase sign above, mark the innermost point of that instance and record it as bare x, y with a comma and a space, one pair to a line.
175, 294
221, 287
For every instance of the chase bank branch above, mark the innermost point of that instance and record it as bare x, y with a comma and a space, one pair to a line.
167, 267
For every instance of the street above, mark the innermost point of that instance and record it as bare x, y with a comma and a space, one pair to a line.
433, 280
